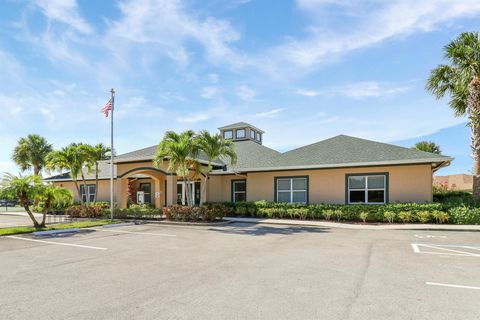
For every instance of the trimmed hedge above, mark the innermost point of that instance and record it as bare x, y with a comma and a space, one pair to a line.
395, 212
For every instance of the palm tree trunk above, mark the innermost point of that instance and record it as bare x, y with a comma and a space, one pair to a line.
474, 117
45, 211
26, 206
204, 188
78, 191
185, 190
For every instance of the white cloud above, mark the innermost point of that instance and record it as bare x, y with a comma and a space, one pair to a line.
307, 92
169, 26
208, 92
378, 21
8, 166
64, 11
370, 89
246, 93
213, 77
268, 114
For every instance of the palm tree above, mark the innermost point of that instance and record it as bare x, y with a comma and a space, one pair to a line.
427, 146
24, 189
97, 153
181, 151
460, 79
30, 152
68, 158
215, 148
52, 195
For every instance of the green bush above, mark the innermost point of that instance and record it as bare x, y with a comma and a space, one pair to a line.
339, 214
423, 216
363, 215
440, 216
464, 215
405, 216
389, 216
327, 214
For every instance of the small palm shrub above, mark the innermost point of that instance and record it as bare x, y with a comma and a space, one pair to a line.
363, 215
440, 216
423, 216
390, 216
339, 214
327, 214
405, 216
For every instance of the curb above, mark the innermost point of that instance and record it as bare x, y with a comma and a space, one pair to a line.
305, 223
113, 225
174, 223
53, 232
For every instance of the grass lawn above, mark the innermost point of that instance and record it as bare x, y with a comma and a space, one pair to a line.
78, 224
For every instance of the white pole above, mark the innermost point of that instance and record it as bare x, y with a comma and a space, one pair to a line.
111, 154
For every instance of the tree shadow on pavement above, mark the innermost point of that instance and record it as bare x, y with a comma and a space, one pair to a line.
253, 229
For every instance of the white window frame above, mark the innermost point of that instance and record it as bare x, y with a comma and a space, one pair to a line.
240, 130
291, 191
89, 192
230, 131
366, 189
258, 137
234, 192
253, 134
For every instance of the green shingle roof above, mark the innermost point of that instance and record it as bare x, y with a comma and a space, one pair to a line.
339, 151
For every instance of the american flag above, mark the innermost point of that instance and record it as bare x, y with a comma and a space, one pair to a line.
107, 108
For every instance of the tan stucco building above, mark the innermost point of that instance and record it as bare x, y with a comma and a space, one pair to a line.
341, 170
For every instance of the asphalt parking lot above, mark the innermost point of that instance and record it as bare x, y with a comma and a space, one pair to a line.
240, 271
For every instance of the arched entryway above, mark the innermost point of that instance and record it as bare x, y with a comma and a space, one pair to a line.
150, 182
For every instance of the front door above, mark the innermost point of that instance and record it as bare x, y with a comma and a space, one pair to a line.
181, 196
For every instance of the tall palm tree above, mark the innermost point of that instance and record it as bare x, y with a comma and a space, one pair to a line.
68, 158
215, 148
460, 79
181, 151
30, 152
97, 153
427, 146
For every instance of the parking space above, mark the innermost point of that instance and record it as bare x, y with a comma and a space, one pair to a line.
239, 271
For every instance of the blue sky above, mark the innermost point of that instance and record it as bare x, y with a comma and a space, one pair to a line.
301, 70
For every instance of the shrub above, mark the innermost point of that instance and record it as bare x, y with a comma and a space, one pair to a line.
327, 214
339, 214
363, 215
405, 216
390, 216
465, 215
423, 216
440, 216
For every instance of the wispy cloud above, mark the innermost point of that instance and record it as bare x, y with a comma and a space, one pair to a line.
268, 114
246, 93
194, 117
307, 92
369, 89
64, 11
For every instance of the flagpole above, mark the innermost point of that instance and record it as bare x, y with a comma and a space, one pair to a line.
111, 154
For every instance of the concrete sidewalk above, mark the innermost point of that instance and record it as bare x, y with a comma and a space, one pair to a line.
358, 226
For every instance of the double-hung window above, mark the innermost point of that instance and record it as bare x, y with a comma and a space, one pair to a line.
239, 190
228, 134
87, 192
370, 188
291, 189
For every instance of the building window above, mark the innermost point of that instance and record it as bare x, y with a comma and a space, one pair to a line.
147, 192
87, 192
240, 133
367, 188
239, 190
291, 189
259, 136
228, 134
252, 134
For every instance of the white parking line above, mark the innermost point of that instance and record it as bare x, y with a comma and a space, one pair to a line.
445, 249
57, 243
137, 232
451, 285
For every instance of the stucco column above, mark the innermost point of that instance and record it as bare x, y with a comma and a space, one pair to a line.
122, 192
171, 190
157, 192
